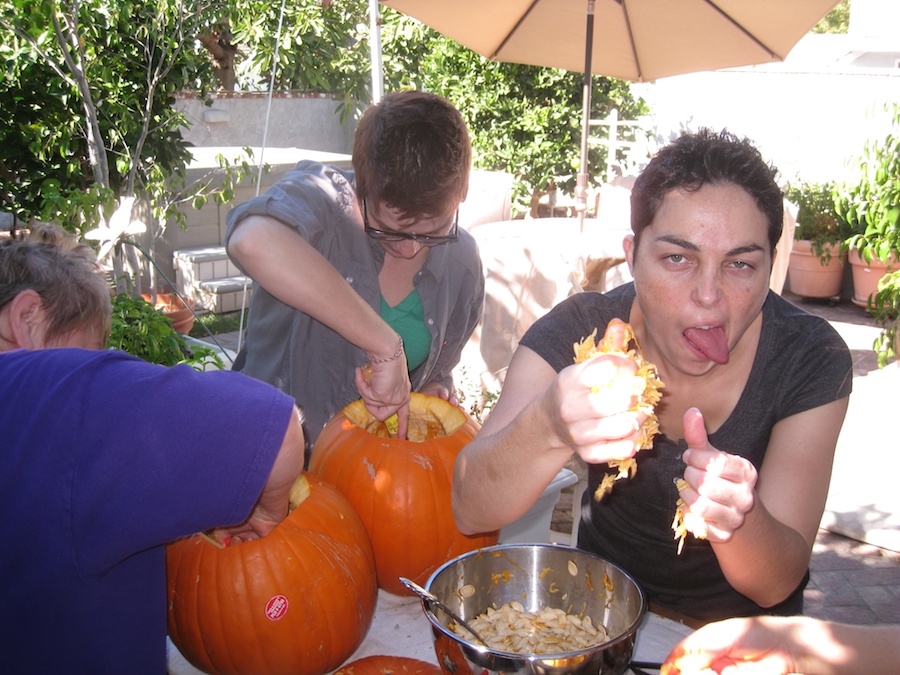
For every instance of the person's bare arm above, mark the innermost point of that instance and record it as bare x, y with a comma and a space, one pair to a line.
781, 645
540, 419
272, 506
762, 529
283, 262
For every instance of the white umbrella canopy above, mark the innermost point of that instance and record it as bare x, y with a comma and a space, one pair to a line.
637, 40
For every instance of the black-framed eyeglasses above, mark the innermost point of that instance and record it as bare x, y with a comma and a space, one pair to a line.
424, 239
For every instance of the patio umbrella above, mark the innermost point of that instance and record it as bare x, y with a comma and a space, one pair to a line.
637, 40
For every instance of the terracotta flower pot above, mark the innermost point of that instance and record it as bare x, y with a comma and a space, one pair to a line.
810, 277
174, 308
866, 275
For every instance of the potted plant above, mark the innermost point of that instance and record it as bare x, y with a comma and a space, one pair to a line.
816, 267
173, 306
869, 200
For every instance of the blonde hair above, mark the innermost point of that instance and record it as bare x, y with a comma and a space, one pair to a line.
64, 273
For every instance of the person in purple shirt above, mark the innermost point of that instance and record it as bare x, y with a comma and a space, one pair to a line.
92, 488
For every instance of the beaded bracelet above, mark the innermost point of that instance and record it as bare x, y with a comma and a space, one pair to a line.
396, 355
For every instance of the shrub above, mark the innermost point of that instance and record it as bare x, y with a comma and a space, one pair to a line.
142, 331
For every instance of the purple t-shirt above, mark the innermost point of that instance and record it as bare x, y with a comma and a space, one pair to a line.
103, 459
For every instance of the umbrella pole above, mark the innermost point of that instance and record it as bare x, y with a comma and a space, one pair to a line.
582, 181
375, 51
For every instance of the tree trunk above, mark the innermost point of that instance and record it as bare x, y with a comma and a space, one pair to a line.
222, 52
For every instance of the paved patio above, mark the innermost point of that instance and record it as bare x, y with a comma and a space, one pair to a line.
863, 500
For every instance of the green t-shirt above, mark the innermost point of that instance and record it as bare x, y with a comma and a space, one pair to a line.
408, 319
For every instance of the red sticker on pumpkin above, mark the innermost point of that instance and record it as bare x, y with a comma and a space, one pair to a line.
276, 607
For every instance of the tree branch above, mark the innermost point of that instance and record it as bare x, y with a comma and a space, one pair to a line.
96, 146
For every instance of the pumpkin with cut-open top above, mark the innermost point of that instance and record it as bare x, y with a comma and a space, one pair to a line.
401, 488
299, 600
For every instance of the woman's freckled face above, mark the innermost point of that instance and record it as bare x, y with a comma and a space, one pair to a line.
701, 275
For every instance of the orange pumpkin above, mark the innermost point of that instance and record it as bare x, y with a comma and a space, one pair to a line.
388, 665
450, 656
401, 488
299, 600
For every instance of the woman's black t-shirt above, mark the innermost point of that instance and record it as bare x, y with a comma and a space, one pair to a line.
801, 363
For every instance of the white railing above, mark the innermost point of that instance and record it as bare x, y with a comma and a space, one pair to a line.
626, 143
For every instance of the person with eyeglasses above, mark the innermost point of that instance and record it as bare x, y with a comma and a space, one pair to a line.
364, 284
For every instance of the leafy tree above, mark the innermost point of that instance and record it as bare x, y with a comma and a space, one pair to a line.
524, 119
836, 21
321, 47
90, 85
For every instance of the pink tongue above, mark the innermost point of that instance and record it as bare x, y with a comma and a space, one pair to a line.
711, 342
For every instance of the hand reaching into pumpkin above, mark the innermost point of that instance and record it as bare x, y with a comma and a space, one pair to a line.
256, 526
274, 500
385, 389
439, 390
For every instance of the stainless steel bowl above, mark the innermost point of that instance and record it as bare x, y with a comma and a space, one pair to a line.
537, 575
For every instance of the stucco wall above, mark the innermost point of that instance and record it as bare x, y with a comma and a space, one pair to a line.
294, 121
299, 127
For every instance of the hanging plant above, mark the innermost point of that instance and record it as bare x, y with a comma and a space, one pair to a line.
298, 601
401, 488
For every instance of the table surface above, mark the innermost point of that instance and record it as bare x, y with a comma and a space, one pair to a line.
400, 628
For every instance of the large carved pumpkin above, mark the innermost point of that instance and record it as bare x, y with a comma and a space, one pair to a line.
388, 665
401, 488
298, 601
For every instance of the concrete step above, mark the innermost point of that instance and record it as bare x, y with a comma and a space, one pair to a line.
224, 295
226, 285
207, 276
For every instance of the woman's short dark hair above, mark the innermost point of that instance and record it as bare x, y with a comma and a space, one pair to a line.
411, 152
707, 157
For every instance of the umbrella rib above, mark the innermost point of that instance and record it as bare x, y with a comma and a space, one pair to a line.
513, 31
742, 29
637, 60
